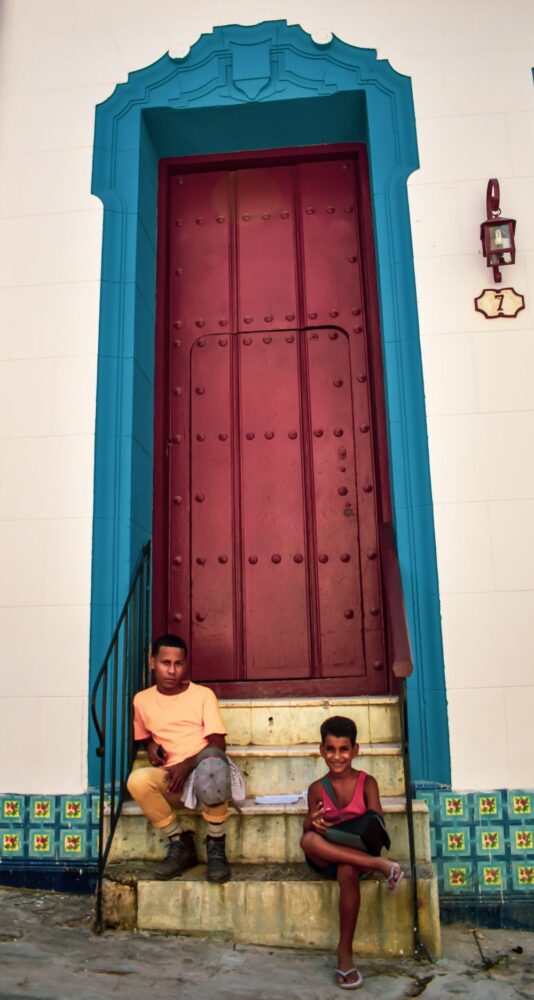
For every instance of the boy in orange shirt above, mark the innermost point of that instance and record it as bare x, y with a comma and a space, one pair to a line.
184, 736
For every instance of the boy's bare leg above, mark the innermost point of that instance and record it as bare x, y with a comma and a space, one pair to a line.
323, 852
349, 906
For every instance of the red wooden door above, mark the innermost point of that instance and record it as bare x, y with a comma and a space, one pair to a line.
272, 573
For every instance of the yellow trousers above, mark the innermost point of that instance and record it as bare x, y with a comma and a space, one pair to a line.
147, 785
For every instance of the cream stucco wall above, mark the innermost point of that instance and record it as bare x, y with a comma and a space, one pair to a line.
473, 98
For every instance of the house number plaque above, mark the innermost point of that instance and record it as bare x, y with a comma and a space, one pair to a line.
495, 303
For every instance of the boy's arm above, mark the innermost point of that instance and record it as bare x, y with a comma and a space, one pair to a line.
372, 795
315, 807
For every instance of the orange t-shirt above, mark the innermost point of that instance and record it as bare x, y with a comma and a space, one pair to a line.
178, 722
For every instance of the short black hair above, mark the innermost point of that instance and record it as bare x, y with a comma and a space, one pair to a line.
339, 725
174, 641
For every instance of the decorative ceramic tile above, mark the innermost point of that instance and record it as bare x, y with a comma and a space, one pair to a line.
490, 840
13, 808
456, 840
42, 808
522, 839
433, 845
74, 809
488, 806
458, 878
95, 809
41, 843
94, 844
433, 808
492, 876
523, 876
12, 842
520, 805
453, 808
72, 844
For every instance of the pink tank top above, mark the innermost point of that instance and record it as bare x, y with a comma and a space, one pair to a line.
356, 807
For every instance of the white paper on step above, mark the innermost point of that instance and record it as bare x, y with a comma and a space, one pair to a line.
279, 800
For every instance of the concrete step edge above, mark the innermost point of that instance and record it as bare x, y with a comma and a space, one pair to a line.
135, 872
308, 750
391, 804
274, 703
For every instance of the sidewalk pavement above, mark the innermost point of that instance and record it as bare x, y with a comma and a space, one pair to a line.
49, 952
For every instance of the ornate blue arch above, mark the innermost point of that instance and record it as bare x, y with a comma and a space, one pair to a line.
241, 88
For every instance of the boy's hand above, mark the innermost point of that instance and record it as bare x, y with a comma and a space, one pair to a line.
176, 776
319, 823
156, 754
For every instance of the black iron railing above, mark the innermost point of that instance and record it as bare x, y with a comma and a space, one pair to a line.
401, 664
123, 673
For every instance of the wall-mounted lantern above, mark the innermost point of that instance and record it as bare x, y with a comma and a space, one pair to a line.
496, 233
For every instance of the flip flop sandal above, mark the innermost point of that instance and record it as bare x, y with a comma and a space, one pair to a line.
395, 878
344, 975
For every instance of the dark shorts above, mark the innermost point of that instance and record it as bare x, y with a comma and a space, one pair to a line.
331, 870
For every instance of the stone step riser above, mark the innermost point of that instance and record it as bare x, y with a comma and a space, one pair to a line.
276, 775
255, 839
298, 721
277, 913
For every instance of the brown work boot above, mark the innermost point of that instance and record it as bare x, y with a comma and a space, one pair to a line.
218, 867
181, 855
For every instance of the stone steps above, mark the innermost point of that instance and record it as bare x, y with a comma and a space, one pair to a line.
271, 905
284, 721
262, 833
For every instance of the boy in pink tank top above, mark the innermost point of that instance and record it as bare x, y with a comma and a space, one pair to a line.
355, 792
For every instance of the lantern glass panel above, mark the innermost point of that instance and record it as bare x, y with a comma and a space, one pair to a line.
500, 237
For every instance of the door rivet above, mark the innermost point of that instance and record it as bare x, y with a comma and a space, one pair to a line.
314, 336
333, 335
310, 210
220, 218
200, 221
177, 343
334, 313
177, 560
246, 218
201, 561
276, 558
338, 432
177, 501
374, 611
176, 439
364, 428
179, 271
199, 322
368, 488
223, 342
247, 319
371, 554
177, 391
323, 558
338, 382
352, 259
223, 437
269, 435
179, 222
362, 377
200, 497
312, 315
298, 558
349, 208
223, 322
201, 342
289, 340
178, 324
342, 490
223, 559
290, 317
378, 665
268, 319
345, 557
349, 613
247, 341
266, 215
201, 437
249, 436
330, 210
284, 215
318, 433
177, 617
267, 340
357, 329
253, 560
200, 390
292, 435
200, 617
356, 312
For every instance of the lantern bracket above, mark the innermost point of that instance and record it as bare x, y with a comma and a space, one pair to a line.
497, 233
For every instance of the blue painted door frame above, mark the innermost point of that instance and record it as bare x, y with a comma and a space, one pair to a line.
241, 88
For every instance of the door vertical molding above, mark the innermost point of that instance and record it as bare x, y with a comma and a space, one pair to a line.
268, 82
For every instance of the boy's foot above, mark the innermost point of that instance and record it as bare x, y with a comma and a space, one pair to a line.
218, 867
352, 979
394, 877
180, 856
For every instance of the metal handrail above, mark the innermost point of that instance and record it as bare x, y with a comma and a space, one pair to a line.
124, 671
400, 656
